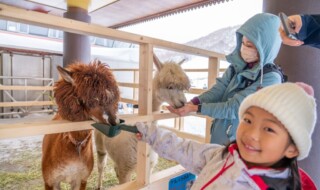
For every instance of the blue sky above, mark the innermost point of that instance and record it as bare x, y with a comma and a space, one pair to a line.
194, 24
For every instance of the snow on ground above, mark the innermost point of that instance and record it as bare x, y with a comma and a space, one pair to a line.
13, 147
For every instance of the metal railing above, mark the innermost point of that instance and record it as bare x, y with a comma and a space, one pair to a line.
24, 101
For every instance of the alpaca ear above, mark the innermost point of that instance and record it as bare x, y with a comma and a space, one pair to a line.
157, 62
188, 86
66, 75
183, 60
97, 61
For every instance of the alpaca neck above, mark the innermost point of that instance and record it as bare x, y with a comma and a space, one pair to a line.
155, 102
155, 105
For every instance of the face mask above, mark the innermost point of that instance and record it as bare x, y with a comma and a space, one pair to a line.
249, 54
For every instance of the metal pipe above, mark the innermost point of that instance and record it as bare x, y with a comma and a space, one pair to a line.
11, 79
43, 67
26, 93
50, 76
27, 52
1, 80
11, 74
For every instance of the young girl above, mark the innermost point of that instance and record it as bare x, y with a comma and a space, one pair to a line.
274, 132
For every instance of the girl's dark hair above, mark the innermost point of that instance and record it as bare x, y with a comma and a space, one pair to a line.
285, 162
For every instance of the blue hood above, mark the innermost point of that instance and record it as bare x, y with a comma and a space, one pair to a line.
262, 30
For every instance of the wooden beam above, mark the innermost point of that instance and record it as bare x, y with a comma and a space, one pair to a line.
26, 87
136, 90
158, 180
133, 118
213, 69
170, 172
29, 103
196, 91
69, 25
145, 108
121, 70
130, 85
161, 180
145, 79
130, 101
40, 128
185, 135
132, 185
195, 70
14, 130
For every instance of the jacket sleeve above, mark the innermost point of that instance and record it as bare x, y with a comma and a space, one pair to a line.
229, 109
310, 30
215, 93
190, 154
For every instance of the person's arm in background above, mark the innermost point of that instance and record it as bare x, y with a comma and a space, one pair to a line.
229, 109
310, 30
296, 20
307, 28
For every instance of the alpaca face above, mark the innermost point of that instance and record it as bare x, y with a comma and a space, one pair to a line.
86, 91
173, 97
170, 83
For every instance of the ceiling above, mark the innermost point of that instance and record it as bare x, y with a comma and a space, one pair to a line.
118, 13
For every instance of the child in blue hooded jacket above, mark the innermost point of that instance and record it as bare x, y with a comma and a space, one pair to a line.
258, 44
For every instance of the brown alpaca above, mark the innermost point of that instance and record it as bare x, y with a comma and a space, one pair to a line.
85, 92
168, 85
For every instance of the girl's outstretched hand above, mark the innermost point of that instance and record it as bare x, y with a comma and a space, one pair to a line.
143, 130
146, 132
139, 136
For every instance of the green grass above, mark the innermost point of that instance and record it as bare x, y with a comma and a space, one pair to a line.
24, 172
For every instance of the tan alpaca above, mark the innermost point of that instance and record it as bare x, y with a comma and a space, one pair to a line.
169, 85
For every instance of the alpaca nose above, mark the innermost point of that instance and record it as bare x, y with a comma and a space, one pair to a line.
180, 105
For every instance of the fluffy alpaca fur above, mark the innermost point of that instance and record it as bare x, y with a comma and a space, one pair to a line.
85, 91
168, 85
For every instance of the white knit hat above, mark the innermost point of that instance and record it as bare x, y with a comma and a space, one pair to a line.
293, 105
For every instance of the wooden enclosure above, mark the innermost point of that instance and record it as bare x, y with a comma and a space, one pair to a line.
143, 84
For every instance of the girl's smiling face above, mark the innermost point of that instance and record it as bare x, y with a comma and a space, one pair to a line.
262, 139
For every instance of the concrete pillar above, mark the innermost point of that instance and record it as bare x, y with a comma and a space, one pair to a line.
302, 64
76, 47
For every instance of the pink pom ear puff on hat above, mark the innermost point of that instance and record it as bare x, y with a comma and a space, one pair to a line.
293, 105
